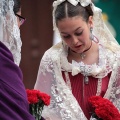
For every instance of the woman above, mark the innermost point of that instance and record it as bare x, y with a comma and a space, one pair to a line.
84, 64
13, 98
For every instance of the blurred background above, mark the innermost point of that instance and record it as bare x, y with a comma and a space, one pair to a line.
37, 32
36, 35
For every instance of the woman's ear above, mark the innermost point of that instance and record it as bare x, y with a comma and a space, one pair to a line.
90, 21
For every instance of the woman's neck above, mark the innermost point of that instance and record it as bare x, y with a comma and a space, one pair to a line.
87, 56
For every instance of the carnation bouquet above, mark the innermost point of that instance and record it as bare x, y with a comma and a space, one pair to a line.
37, 100
103, 109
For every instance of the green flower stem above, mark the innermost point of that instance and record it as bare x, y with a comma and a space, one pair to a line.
36, 109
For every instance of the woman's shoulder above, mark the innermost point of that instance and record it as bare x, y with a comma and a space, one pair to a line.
55, 48
53, 52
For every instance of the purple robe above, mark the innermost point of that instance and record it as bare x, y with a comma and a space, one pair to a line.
13, 98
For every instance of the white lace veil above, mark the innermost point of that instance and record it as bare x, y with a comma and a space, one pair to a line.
64, 105
9, 31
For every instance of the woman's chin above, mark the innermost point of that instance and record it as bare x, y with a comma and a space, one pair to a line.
78, 52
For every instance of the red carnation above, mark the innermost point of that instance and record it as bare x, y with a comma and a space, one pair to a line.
37, 100
104, 108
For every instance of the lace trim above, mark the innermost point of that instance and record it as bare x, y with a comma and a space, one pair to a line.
68, 83
98, 71
99, 86
9, 31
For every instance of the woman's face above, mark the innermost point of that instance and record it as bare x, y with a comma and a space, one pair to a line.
75, 32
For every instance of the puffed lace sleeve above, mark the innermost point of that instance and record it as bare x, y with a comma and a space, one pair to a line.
44, 83
45, 75
113, 91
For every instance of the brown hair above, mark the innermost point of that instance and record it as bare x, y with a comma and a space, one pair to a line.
66, 9
17, 6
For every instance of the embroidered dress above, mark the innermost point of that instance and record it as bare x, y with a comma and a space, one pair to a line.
64, 103
83, 91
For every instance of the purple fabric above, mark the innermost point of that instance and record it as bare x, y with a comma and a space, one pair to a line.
13, 98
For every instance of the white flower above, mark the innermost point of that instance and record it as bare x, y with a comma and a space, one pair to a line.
85, 3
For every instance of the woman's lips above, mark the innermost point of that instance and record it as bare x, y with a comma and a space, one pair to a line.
78, 46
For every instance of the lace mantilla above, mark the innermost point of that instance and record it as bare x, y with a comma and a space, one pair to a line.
9, 31
63, 104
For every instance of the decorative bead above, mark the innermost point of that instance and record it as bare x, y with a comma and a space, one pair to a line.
86, 79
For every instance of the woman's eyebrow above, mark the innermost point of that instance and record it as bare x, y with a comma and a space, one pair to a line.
74, 30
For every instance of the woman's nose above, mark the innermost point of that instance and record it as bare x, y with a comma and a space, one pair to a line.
75, 40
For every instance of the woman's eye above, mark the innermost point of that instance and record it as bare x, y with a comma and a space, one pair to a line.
78, 34
66, 37
20, 19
